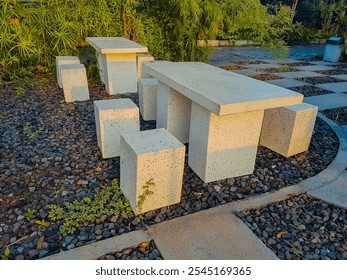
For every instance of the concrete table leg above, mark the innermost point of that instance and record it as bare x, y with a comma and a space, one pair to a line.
173, 112
225, 146
118, 72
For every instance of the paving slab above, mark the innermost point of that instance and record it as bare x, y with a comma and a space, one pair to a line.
335, 87
96, 250
334, 193
262, 66
287, 83
328, 101
341, 77
314, 68
325, 63
208, 235
248, 72
298, 74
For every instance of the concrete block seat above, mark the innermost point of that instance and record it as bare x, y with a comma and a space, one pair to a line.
288, 130
148, 98
151, 155
140, 59
74, 82
64, 60
113, 117
218, 112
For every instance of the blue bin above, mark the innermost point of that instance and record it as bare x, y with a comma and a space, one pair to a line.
333, 49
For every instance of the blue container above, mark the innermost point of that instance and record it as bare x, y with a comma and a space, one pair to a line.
333, 49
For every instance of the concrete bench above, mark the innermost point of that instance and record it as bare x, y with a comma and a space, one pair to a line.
218, 112
74, 82
151, 155
113, 117
63, 60
148, 98
288, 130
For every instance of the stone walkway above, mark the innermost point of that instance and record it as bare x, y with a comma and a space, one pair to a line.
217, 233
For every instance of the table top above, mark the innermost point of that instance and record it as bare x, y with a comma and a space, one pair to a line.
110, 45
220, 91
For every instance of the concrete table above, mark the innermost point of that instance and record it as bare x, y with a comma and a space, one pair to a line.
218, 112
117, 62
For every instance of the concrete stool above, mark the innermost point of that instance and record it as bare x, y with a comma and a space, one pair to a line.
288, 130
74, 81
148, 98
140, 58
151, 154
63, 60
113, 117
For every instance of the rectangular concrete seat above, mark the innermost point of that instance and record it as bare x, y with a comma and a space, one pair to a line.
113, 117
154, 155
74, 82
63, 60
148, 98
141, 58
288, 130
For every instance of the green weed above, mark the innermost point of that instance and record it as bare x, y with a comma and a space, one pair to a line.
109, 201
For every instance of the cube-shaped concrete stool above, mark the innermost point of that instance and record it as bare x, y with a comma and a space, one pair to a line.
140, 58
173, 112
288, 130
151, 155
148, 98
63, 60
74, 81
113, 117
223, 146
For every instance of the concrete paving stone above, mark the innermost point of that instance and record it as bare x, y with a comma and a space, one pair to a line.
287, 83
314, 68
328, 101
321, 62
248, 72
208, 235
334, 193
341, 77
287, 60
298, 74
262, 66
335, 87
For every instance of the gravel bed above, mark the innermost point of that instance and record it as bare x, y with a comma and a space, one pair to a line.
310, 90
340, 66
144, 251
301, 228
340, 71
293, 64
247, 62
338, 115
61, 165
277, 70
319, 80
232, 67
265, 77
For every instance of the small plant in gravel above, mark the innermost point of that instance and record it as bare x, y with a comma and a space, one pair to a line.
29, 132
109, 201
6, 255
30, 213
42, 224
